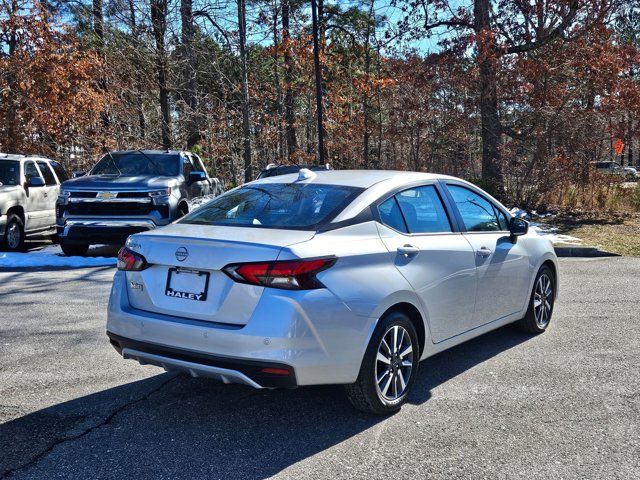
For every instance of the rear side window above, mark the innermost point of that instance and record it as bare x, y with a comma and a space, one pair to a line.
391, 216
47, 173
275, 205
60, 172
478, 214
423, 210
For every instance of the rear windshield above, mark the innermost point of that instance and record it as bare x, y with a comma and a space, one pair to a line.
9, 172
275, 205
138, 163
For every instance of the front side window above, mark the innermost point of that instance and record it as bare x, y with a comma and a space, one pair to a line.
30, 171
423, 210
47, 174
138, 163
478, 214
275, 205
9, 172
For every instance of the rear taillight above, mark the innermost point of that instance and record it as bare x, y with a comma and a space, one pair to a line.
130, 261
287, 274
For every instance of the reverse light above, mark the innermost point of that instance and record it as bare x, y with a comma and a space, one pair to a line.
286, 274
130, 261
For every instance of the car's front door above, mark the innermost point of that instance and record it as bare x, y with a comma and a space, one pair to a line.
36, 201
51, 190
197, 188
502, 265
436, 260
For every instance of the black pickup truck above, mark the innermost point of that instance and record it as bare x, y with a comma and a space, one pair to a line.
128, 192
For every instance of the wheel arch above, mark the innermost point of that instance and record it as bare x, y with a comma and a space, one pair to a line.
183, 205
18, 210
411, 311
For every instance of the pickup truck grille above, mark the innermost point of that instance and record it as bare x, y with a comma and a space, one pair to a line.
106, 208
94, 194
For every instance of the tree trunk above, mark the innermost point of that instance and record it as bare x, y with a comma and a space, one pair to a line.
292, 142
276, 80
159, 25
365, 93
489, 119
246, 129
189, 69
142, 123
316, 12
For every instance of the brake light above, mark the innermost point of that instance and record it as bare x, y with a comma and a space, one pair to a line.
287, 274
130, 261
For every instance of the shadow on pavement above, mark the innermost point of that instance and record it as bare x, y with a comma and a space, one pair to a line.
168, 426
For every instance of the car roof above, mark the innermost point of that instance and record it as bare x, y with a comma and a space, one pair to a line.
19, 156
354, 178
155, 152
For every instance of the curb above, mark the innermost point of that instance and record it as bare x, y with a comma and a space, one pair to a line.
587, 252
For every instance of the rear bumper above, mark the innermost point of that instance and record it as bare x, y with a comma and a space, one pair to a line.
197, 364
312, 333
102, 231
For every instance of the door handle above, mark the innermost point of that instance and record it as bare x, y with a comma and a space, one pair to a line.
483, 252
408, 250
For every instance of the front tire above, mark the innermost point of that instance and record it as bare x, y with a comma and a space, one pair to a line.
74, 249
389, 367
13, 240
541, 302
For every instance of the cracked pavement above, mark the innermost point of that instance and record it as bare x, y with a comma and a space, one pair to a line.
565, 404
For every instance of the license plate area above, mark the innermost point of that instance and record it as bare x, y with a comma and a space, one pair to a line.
187, 284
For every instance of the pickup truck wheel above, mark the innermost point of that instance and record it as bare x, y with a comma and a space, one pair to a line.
74, 250
14, 233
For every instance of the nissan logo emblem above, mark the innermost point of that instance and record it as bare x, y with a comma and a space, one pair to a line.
182, 254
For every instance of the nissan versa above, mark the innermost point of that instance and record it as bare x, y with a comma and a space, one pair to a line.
335, 277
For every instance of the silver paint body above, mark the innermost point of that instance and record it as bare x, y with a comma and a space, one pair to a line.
324, 333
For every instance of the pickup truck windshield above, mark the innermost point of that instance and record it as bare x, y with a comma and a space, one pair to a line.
137, 163
275, 205
9, 172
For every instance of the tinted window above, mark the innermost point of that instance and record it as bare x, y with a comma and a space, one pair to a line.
138, 163
275, 205
47, 174
477, 213
423, 210
30, 171
504, 221
187, 167
9, 172
60, 172
197, 163
391, 216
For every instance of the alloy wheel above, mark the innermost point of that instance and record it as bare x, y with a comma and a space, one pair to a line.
14, 235
394, 362
543, 300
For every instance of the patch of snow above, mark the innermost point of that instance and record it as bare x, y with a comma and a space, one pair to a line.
546, 231
51, 256
197, 202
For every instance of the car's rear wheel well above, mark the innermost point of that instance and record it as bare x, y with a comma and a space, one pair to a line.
18, 211
416, 319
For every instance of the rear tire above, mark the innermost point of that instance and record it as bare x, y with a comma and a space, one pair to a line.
74, 249
541, 303
13, 240
389, 367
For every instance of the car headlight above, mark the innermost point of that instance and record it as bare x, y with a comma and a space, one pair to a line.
63, 196
162, 192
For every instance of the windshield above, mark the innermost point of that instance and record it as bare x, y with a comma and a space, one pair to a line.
9, 172
275, 205
137, 163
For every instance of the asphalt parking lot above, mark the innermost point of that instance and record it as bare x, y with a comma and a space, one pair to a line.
565, 404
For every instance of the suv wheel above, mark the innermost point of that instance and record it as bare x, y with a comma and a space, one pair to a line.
389, 367
74, 249
14, 233
540, 307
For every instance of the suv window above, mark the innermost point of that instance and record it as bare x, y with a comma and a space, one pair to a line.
391, 216
478, 214
197, 163
60, 171
423, 210
187, 167
30, 171
47, 174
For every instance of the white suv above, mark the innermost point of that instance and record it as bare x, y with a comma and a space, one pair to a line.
29, 187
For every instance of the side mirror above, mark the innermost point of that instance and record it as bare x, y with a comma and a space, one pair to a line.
78, 173
36, 182
197, 176
518, 227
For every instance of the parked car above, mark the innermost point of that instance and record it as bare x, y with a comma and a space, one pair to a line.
28, 189
275, 169
127, 192
614, 168
345, 277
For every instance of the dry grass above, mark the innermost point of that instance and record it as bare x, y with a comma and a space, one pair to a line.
617, 232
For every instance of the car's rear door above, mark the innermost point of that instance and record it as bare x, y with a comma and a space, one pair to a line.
437, 261
502, 265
